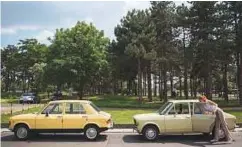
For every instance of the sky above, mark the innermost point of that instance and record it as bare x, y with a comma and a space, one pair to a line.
21, 20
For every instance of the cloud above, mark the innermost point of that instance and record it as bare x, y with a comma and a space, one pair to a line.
42, 37
8, 31
14, 29
129, 5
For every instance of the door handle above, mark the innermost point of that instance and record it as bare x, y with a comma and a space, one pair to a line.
59, 116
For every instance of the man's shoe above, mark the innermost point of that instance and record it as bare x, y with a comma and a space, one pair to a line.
214, 140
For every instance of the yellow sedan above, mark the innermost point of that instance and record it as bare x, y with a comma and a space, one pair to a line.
63, 116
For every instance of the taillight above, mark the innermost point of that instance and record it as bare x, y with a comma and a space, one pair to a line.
109, 121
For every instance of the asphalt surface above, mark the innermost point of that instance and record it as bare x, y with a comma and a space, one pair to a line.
116, 140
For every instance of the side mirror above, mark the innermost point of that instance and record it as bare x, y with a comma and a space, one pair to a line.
46, 114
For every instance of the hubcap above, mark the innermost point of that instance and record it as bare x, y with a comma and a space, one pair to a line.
22, 132
91, 133
150, 133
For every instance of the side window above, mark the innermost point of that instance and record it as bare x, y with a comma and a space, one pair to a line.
53, 109
182, 108
75, 108
172, 111
197, 109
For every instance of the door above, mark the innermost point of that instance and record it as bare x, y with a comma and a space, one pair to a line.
201, 122
75, 116
178, 119
54, 118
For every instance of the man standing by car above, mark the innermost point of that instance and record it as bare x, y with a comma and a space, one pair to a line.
211, 107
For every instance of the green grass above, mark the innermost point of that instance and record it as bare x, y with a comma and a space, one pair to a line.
109, 101
125, 116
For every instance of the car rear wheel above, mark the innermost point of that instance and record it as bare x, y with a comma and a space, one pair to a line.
150, 133
22, 132
91, 132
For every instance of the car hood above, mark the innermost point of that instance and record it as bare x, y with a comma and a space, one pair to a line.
24, 116
147, 116
227, 115
105, 114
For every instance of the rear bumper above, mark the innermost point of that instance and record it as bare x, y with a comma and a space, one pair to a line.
103, 129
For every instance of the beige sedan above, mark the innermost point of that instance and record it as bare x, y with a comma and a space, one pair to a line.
178, 116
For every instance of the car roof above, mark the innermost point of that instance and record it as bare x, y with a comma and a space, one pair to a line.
183, 101
71, 101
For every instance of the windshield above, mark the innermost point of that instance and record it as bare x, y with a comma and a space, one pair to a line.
163, 109
95, 107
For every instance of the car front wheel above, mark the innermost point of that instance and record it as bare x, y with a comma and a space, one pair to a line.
150, 133
22, 132
91, 132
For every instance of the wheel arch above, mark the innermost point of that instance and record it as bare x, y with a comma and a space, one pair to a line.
20, 123
91, 124
150, 124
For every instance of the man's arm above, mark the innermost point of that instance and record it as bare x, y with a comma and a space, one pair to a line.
212, 103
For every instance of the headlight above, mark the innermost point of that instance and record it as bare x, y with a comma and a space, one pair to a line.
135, 122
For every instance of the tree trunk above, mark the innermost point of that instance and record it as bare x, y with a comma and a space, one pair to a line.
139, 80
129, 86
160, 86
208, 86
185, 84
28, 84
135, 88
121, 86
145, 85
191, 87
185, 66
195, 87
171, 80
149, 82
23, 81
240, 86
7, 83
80, 93
225, 83
180, 85
155, 86
165, 86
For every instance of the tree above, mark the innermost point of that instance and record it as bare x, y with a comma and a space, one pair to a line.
78, 54
163, 17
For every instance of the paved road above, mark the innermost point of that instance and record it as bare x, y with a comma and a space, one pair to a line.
115, 140
6, 108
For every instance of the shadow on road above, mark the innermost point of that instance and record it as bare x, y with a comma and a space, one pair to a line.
191, 140
56, 138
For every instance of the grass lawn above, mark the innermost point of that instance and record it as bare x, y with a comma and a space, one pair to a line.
125, 116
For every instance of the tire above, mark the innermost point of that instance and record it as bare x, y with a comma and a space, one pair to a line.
150, 133
213, 134
91, 132
22, 132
